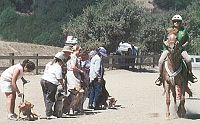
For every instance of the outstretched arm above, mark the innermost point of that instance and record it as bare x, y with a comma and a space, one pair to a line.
14, 80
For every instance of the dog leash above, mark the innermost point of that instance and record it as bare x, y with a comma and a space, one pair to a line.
24, 82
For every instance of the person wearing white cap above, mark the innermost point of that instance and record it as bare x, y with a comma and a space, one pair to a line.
183, 39
51, 78
96, 76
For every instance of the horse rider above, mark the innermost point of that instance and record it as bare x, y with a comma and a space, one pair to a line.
183, 38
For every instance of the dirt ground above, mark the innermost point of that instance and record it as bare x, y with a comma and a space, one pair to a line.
139, 101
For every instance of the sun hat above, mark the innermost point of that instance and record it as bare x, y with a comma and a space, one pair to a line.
71, 40
102, 51
67, 49
59, 55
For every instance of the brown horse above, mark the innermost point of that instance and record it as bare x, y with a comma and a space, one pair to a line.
174, 73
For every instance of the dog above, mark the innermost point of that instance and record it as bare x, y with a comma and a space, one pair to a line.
27, 109
58, 107
111, 102
74, 102
103, 97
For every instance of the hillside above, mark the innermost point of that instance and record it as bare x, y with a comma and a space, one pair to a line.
26, 49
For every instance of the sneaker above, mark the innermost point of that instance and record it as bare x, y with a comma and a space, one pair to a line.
97, 108
159, 81
12, 116
51, 117
90, 107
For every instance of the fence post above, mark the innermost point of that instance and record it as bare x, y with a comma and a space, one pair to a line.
154, 61
12, 60
141, 62
110, 63
36, 64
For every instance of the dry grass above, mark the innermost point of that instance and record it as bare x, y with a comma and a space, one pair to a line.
22, 49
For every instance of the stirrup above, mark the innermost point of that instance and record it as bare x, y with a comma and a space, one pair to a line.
158, 82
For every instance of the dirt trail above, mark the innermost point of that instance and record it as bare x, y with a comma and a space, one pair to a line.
139, 102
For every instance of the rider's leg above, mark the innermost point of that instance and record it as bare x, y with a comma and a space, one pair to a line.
160, 64
187, 58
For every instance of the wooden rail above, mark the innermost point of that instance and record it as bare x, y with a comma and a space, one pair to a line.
111, 62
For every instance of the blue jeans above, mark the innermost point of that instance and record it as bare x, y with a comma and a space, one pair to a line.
95, 92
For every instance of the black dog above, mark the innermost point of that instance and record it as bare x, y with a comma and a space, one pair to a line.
103, 97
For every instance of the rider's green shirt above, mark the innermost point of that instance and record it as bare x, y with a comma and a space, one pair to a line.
182, 37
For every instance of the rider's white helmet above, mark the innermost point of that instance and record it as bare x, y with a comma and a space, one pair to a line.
177, 17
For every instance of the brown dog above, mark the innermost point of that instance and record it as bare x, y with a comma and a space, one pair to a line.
26, 108
74, 102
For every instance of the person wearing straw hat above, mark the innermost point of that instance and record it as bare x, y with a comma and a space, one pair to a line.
73, 69
71, 41
67, 50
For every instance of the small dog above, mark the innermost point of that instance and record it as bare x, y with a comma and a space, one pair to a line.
111, 102
58, 107
27, 109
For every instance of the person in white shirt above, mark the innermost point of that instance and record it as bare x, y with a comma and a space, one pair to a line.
51, 78
74, 69
96, 77
8, 83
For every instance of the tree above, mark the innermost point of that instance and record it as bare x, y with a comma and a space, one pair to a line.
172, 4
107, 24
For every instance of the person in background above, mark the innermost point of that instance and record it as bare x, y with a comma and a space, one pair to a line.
96, 77
91, 55
51, 78
9, 86
85, 66
74, 70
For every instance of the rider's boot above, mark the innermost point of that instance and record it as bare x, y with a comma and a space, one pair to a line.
191, 76
159, 81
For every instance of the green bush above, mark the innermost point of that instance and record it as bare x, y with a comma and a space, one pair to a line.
7, 18
95, 23
50, 38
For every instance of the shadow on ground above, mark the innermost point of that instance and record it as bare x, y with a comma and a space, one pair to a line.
150, 70
192, 116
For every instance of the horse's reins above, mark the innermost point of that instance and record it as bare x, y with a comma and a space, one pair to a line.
172, 75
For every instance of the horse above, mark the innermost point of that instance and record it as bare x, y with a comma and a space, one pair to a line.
175, 74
